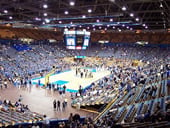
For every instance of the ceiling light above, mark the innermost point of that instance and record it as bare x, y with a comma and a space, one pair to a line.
131, 28
111, 20
124, 8
161, 6
83, 16
105, 29
131, 14
127, 27
113, 27
93, 25
60, 22
146, 27
66, 12
5, 11
43, 23
38, 19
80, 26
89, 10
123, 25
119, 30
72, 3
112, 0
88, 27
108, 25
45, 6
47, 20
137, 19
143, 25
45, 14
97, 20
71, 22
94, 29
100, 27
10, 17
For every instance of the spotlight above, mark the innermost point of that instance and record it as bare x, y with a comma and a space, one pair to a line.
10, 17
137, 19
47, 20
143, 25
83, 16
124, 8
72, 3
45, 14
45, 6
89, 10
161, 6
5, 11
131, 14
66, 12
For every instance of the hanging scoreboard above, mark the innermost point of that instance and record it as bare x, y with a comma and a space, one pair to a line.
77, 39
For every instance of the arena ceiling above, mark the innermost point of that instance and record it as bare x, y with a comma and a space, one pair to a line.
87, 14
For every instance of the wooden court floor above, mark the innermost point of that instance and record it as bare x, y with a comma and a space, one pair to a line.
75, 81
41, 101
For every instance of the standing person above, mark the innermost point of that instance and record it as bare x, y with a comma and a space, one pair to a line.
58, 105
70, 119
39, 82
1, 84
30, 85
54, 104
80, 90
63, 105
5, 83
65, 100
46, 123
81, 74
20, 98
64, 89
76, 71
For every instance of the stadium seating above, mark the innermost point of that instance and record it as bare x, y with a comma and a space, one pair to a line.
149, 82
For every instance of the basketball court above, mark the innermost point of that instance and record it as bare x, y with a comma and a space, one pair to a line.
72, 81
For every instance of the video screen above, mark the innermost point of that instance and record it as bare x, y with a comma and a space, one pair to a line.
77, 39
86, 42
80, 40
71, 41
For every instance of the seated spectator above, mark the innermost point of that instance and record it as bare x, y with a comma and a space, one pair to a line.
139, 118
76, 117
147, 115
16, 104
10, 104
1, 102
158, 115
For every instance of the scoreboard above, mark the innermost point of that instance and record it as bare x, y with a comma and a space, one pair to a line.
77, 39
